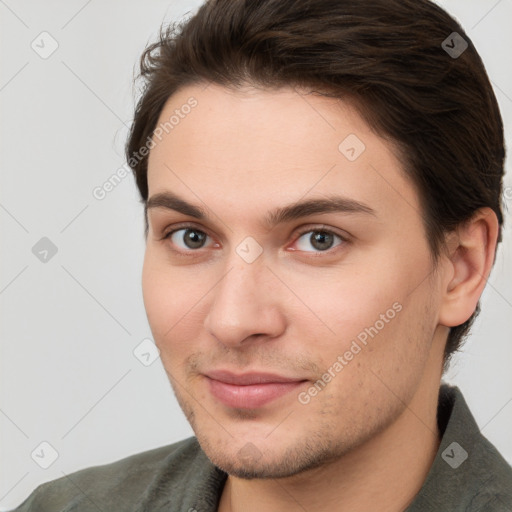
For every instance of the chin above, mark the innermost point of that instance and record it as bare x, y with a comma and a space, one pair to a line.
251, 463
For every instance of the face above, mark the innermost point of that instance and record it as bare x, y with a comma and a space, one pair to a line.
287, 278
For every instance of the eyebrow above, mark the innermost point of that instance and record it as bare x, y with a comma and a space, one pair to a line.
294, 211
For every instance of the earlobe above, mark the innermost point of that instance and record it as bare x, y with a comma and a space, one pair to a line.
471, 252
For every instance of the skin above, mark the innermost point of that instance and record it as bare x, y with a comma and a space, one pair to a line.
370, 436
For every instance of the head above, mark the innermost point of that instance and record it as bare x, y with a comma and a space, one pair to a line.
322, 185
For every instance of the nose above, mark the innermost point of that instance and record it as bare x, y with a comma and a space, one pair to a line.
245, 305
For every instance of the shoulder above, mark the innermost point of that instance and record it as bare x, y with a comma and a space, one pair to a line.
493, 474
468, 474
117, 485
485, 471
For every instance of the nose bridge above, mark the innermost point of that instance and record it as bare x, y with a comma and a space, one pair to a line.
247, 270
241, 303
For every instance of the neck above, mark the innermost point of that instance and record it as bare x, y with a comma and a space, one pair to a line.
387, 470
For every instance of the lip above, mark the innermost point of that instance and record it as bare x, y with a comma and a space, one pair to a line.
249, 390
249, 378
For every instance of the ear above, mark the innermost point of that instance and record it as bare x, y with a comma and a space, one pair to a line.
471, 249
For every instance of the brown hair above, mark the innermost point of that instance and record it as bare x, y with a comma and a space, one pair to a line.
385, 56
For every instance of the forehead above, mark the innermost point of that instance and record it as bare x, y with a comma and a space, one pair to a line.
253, 147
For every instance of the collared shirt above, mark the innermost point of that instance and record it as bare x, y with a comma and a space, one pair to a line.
468, 474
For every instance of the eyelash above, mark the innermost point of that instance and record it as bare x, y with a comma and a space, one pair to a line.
314, 254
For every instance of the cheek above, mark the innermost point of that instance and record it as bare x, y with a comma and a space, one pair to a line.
155, 292
369, 314
345, 305
169, 303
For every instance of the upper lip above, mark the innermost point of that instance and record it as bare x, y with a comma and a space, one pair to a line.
246, 379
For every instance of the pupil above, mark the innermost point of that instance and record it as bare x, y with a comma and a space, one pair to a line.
321, 240
194, 239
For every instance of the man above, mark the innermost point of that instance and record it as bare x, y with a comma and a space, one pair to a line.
322, 186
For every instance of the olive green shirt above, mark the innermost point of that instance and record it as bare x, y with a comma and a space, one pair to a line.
468, 474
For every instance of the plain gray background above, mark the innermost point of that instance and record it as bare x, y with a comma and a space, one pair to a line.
70, 324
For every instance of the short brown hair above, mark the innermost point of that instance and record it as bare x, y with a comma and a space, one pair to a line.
384, 56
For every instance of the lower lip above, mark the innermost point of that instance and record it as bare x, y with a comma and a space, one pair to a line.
250, 396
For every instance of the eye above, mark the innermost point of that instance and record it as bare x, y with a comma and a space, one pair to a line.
320, 239
187, 238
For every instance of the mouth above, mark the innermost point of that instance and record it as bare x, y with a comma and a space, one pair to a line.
250, 390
